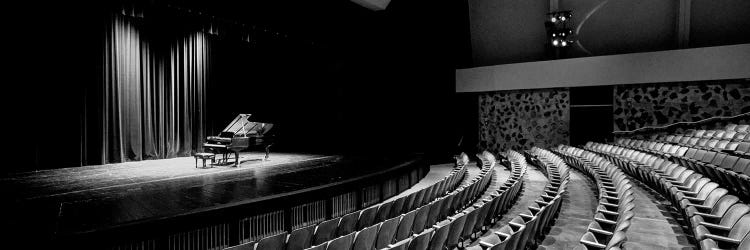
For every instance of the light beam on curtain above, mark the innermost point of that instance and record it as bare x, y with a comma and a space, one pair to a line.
153, 96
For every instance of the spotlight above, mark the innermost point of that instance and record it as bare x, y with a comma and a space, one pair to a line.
564, 43
553, 19
554, 42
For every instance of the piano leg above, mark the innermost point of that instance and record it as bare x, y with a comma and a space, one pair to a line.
236, 159
268, 151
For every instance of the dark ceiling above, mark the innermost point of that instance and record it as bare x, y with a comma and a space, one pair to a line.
509, 31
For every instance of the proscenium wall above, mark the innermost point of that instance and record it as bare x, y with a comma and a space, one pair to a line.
521, 119
641, 105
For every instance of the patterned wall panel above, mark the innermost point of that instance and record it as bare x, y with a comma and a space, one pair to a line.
643, 105
522, 119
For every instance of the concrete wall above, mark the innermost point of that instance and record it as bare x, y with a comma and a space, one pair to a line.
709, 63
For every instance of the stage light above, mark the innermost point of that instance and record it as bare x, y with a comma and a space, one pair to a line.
560, 34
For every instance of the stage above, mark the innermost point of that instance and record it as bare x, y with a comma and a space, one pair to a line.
80, 200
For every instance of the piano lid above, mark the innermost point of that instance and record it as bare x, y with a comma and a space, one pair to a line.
242, 126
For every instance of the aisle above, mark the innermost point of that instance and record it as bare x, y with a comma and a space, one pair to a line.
653, 226
576, 213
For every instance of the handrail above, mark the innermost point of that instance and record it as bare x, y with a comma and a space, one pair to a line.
710, 119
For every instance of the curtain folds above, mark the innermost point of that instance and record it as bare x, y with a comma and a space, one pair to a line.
153, 93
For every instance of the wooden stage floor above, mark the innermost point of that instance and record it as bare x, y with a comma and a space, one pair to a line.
91, 198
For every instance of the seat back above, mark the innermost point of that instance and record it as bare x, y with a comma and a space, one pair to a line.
409, 203
440, 235
471, 219
435, 209
367, 217
365, 238
734, 214
420, 221
387, 232
325, 231
405, 225
422, 241
454, 234
347, 224
396, 207
341, 243
272, 242
618, 238
741, 228
300, 238
383, 212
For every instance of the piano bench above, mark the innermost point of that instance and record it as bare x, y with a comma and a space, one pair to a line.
203, 156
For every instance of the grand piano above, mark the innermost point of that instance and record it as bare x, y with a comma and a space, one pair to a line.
239, 135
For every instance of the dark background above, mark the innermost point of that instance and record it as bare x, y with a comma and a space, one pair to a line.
344, 80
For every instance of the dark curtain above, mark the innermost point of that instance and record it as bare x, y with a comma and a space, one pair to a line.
153, 96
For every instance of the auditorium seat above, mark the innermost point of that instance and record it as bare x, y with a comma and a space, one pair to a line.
615, 209
347, 224
714, 211
367, 217
590, 241
405, 225
387, 232
341, 243
726, 238
421, 241
713, 244
420, 220
471, 219
325, 231
384, 211
440, 235
365, 239
272, 242
456, 228
409, 201
300, 238
702, 225
435, 210
716, 218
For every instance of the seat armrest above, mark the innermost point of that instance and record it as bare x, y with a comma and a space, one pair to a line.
600, 231
692, 199
485, 245
593, 244
714, 226
723, 239
707, 215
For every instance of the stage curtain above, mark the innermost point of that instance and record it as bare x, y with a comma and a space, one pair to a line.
153, 93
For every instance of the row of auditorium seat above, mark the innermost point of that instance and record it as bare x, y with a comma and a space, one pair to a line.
729, 132
303, 238
474, 219
616, 201
718, 220
730, 171
734, 138
414, 229
466, 223
525, 229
